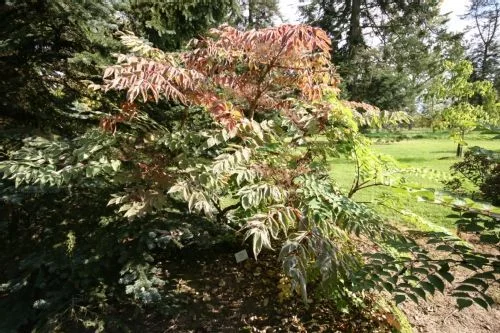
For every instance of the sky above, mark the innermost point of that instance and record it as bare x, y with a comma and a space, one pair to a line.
456, 8
289, 10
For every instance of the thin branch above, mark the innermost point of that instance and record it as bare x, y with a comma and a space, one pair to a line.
356, 180
371, 185
260, 91
222, 213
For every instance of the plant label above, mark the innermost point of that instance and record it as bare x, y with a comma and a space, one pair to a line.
241, 256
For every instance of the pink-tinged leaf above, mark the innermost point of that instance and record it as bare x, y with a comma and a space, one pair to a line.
108, 72
132, 94
155, 93
144, 93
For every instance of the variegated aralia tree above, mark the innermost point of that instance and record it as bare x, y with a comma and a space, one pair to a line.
262, 166
255, 120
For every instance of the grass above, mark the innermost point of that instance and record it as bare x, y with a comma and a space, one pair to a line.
416, 148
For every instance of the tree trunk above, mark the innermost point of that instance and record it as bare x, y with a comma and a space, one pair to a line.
355, 37
484, 63
459, 150
251, 9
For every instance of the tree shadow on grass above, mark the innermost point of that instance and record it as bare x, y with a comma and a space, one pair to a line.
412, 159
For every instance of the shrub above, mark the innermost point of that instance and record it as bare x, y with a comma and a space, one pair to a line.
481, 167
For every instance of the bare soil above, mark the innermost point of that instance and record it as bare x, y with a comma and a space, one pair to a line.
440, 314
212, 293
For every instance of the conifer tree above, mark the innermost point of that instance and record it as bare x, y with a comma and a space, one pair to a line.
485, 50
381, 61
47, 48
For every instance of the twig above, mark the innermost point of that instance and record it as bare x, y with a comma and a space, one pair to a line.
448, 316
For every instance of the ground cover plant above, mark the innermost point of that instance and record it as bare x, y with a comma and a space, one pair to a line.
243, 149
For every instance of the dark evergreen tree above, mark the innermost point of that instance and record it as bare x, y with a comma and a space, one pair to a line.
258, 13
485, 45
46, 49
169, 24
350, 21
382, 61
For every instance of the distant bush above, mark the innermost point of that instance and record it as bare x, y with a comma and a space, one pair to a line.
481, 167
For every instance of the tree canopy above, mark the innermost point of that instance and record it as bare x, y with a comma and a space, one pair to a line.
379, 59
484, 53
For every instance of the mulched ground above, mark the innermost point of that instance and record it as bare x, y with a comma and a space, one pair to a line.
212, 293
209, 292
440, 315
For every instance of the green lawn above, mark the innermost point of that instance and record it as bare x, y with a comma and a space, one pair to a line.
418, 148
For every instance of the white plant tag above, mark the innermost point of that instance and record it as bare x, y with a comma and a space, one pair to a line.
241, 256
